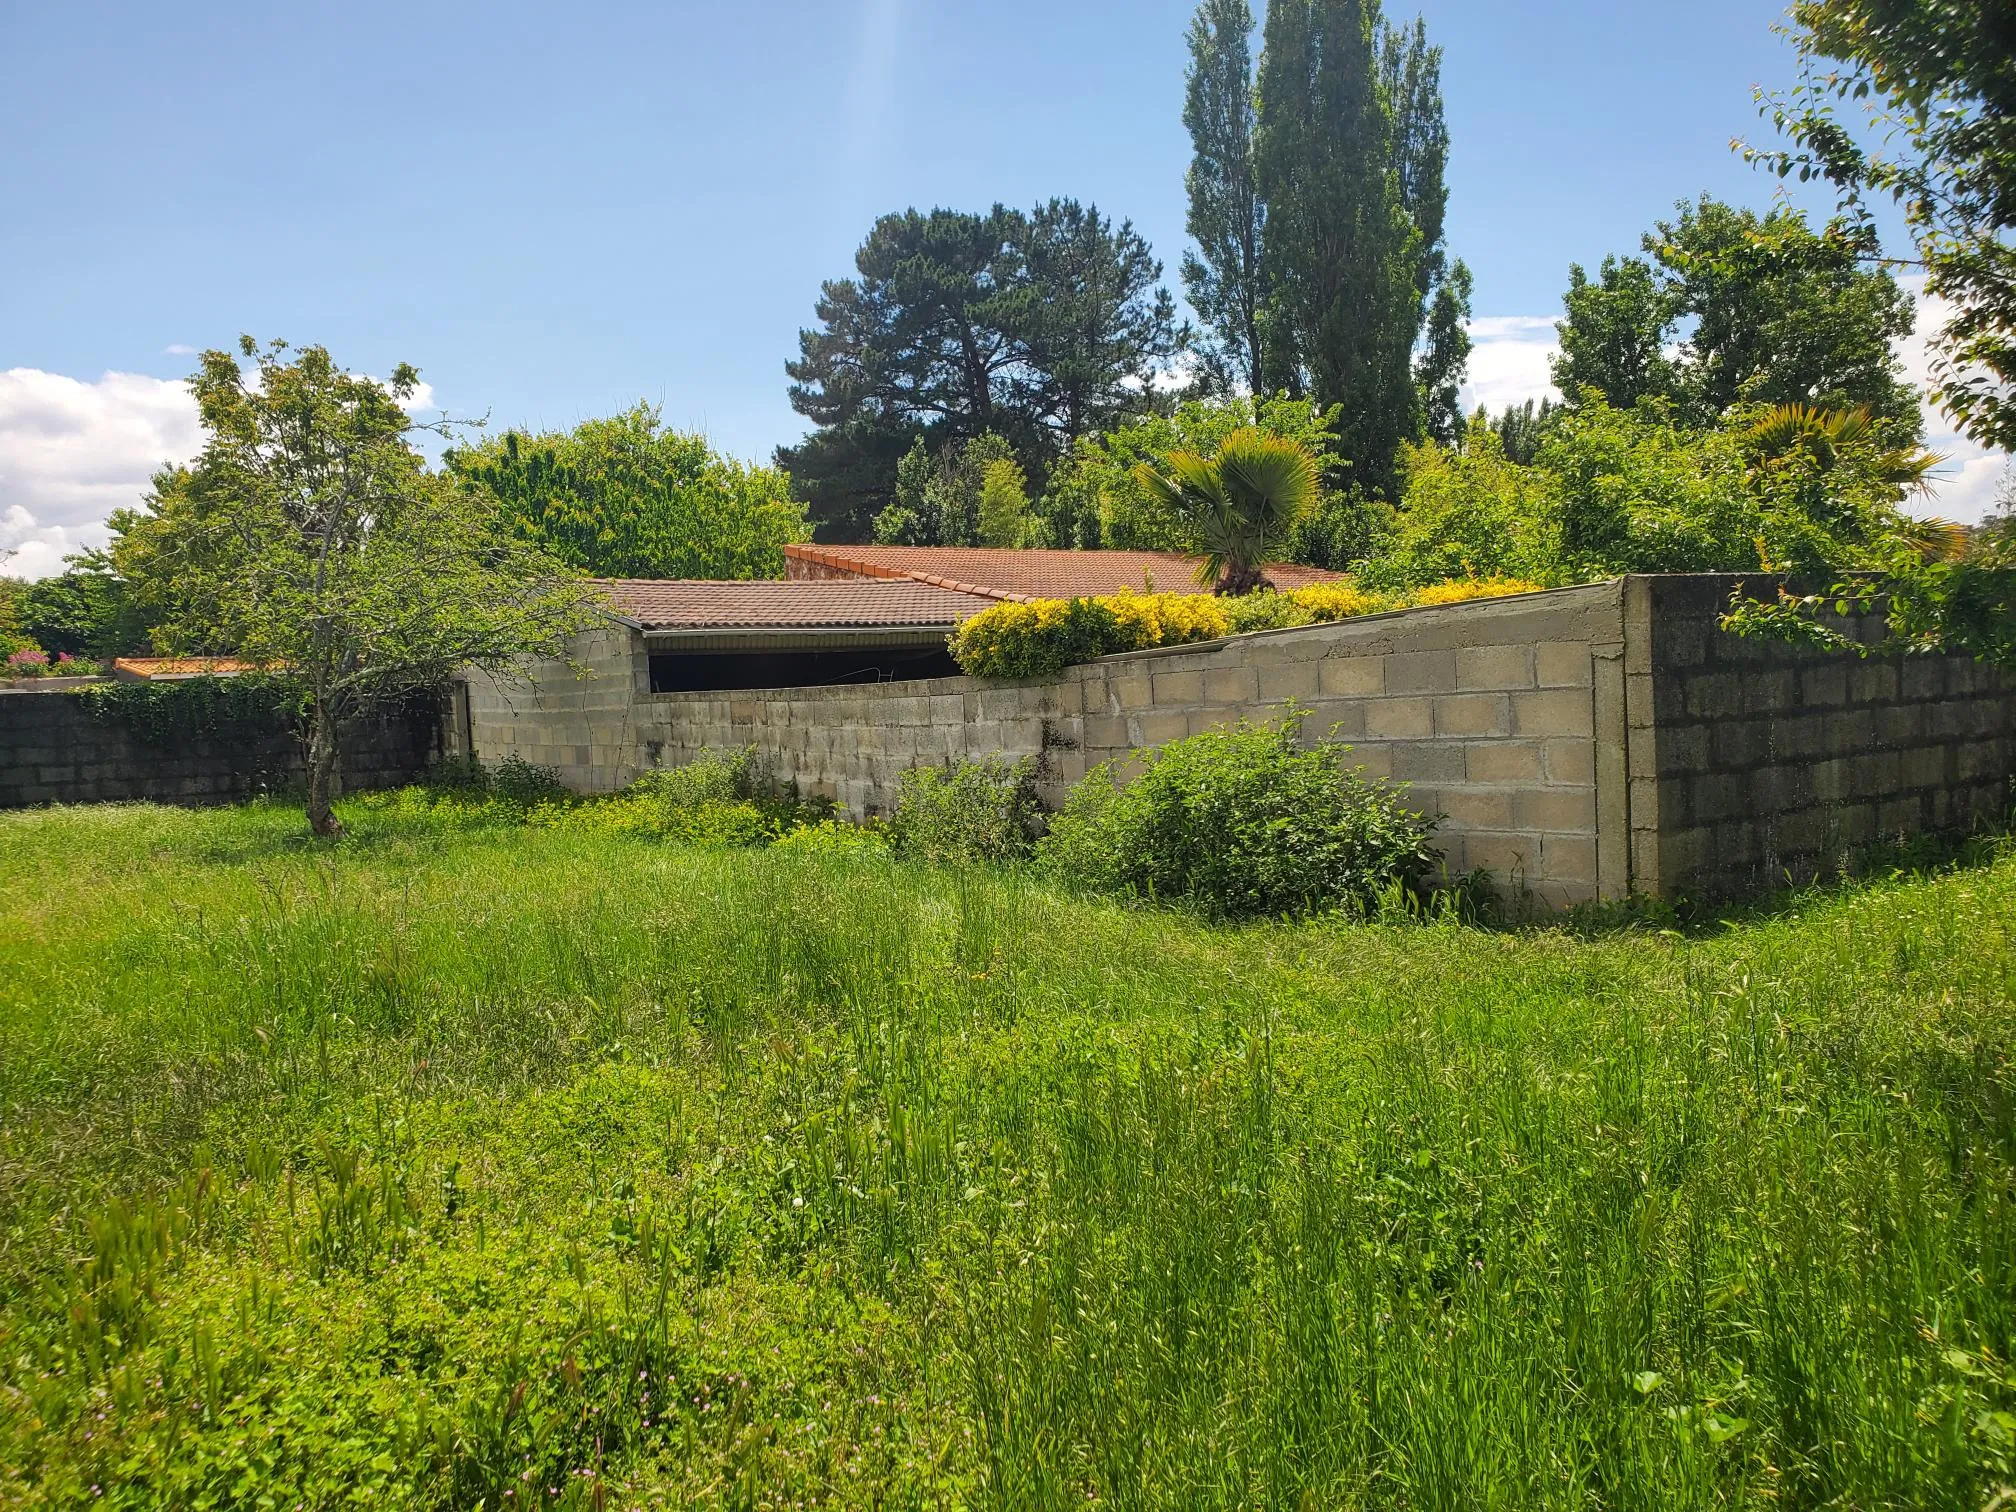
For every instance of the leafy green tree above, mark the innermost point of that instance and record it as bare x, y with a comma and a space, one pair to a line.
1470, 512
1038, 328
1238, 506
626, 497
1342, 250
1344, 529
1445, 357
1773, 312
1522, 428
1937, 79
1224, 276
1095, 496
941, 498
1004, 504
1350, 149
12, 637
83, 611
1637, 490
1614, 337
310, 537
1783, 314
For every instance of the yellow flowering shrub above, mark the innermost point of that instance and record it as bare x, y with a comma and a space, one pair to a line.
1324, 602
1041, 639
1147, 620
1463, 590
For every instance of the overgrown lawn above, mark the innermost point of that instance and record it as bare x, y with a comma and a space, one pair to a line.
463, 1164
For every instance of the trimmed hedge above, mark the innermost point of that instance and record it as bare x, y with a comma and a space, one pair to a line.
1041, 639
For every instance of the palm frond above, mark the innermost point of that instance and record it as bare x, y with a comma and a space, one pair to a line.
1236, 505
1937, 540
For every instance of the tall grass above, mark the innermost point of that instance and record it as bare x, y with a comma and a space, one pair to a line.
484, 1166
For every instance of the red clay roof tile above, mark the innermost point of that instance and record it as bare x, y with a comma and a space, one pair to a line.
833, 604
1001, 573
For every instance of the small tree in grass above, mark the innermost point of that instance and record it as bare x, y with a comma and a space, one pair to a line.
311, 538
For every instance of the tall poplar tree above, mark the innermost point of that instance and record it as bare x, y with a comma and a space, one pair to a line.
1224, 276
1343, 252
1318, 204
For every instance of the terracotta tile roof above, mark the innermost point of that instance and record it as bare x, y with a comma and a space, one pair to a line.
999, 573
834, 604
145, 668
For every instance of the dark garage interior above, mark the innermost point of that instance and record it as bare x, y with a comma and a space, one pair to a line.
730, 671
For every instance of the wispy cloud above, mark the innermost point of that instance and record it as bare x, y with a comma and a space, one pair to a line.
1508, 360
870, 89
1967, 481
177, 349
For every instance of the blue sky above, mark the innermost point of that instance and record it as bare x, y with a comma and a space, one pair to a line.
556, 211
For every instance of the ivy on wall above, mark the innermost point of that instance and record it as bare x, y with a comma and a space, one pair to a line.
248, 707
251, 706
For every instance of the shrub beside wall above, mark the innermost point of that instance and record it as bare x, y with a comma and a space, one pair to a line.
1240, 824
1041, 639
974, 811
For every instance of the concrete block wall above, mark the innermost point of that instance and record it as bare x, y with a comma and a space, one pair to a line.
1754, 763
1488, 710
578, 719
54, 750
1586, 743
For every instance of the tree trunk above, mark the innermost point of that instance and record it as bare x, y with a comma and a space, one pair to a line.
1241, 578
322, 753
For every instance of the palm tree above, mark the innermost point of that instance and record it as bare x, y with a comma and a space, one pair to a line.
1238, 506
1825, 434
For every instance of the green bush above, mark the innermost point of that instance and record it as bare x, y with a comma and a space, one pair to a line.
1240, 823
723, 802
974, 811
517, 781
717, 801
1265, 611
831, 837
241, 708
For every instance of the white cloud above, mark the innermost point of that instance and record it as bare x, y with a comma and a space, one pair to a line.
178, 349
1965, 490
1508, 365
71, 452
1508, 360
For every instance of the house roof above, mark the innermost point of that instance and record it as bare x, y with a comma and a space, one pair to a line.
838, 603
999, 573
172, 668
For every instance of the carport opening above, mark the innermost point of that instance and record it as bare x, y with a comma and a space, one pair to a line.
739, 671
